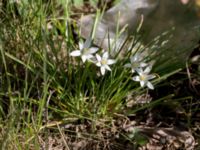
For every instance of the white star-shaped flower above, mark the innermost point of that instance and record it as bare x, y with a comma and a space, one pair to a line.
84, 52
104, 62
135, 63
144, 77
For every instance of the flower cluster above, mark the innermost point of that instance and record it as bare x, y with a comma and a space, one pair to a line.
85, 53
103, 62
142, 69
143, 77
88, 54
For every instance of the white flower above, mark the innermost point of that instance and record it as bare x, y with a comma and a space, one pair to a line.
85, 53
144, 77
135, 63
104, 62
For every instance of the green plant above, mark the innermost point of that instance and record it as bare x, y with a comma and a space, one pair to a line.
41, 82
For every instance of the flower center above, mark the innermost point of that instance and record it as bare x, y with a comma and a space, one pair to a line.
103, 61
85, 50
143, 77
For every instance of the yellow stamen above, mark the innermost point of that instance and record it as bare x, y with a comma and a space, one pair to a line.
142, 77
103, 61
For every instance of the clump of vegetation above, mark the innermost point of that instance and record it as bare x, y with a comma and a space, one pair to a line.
57, 89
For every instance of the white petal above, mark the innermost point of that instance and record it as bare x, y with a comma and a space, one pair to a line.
136, 78
103, 70
81, 45
150, 86
111, 61
139, 71
75, 53
107, 67
98, 64
127, 65
151, 77
105, 55
87, 43
134, 58
98, 57
143, 64
148, 69
89, 56
142, 83
84, 58
93, 50
133, 70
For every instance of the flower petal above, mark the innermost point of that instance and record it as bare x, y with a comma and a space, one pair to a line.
150, 86
107, 67
111, 61
151, 76
134, 58
133, 70
98, 64
84, 58
75, 53
148, 69
105, 55
103, 70
87, 43
89, 56
98, 57
142, 83
139, 71
143, 64
136, 78
127, 65
93, 50
81, 45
